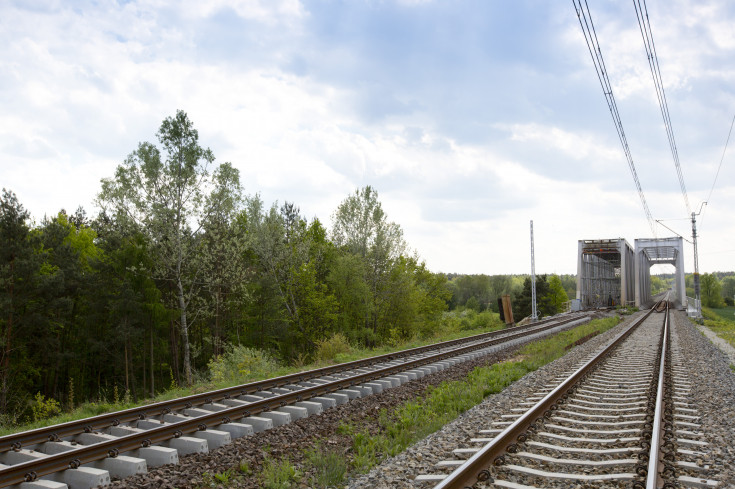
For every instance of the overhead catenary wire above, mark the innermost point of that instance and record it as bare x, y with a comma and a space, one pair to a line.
590, 37
722, 158
648, 42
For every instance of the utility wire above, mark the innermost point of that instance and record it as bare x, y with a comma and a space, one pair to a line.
718, 167
590, 37
722, 158
647, 34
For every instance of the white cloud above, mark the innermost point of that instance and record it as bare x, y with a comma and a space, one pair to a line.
80, 88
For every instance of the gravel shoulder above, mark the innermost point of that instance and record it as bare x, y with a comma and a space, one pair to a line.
713, 388
721, 344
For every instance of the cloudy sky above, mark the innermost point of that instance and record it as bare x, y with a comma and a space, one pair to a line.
470, 118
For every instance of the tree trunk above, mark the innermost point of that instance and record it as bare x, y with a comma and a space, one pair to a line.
153, 389
127, 377
132, 379
174, 349
6, 353
184, 334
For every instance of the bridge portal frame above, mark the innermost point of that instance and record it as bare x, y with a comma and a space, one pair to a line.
605, 271
649, 252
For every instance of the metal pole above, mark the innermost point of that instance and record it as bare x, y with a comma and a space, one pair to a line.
534, 315
697, 296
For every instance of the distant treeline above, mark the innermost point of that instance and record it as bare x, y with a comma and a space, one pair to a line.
717, 289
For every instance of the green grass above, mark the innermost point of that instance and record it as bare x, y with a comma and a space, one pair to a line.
721, 322
329, 468
442, 404
279, 474
454, 325
727, 313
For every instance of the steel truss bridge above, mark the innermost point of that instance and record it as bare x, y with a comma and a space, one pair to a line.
611, 272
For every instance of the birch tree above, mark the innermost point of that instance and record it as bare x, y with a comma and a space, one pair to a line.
163, 190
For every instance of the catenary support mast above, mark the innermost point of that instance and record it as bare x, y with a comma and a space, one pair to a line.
534, 314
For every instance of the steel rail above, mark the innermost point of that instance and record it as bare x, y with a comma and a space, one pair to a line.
476, 468
40, 435
653, 476
29, 471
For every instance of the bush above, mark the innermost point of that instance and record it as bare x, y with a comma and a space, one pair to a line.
43, 408
364, 337
327, 350
241, 364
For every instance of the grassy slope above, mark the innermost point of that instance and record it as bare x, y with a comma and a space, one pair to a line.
722, 322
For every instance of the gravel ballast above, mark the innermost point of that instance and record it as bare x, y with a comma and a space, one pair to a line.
714, 389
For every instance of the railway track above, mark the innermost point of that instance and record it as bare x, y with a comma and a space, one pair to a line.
622, 418
88, 452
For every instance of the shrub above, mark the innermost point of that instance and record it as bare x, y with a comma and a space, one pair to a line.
327, 350
240, 364
43, 408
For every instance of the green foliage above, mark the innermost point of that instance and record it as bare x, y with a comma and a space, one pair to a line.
660, 284
711, 291
329, 349
43, 408
278, 474
470, 320
556, 296
330, 467
522, 301
722, 322
239, 364
728, 287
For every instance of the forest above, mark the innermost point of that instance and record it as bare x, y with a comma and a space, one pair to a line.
179, 267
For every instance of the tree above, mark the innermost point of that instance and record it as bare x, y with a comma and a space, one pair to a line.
728, 287
711, 291
522, 300
223, 245
557, 296
18, 267
163, 191
361, 227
